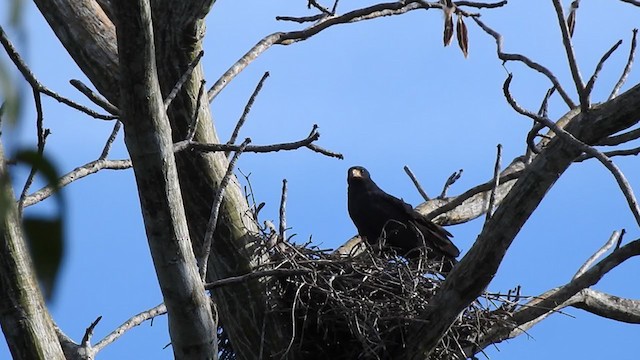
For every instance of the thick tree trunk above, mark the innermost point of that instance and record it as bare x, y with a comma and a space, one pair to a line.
25, 321
148, 139
178, 33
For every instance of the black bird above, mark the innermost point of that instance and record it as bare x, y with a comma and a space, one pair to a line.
380, 216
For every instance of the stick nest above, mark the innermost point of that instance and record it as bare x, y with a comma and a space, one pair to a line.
359, 307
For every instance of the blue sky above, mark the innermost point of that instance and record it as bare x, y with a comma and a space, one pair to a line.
385, 93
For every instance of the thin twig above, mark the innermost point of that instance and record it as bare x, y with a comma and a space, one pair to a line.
620, 139
450, 181
282, 237
479, 5
288, 38
625, 152
525, 60
76, 174
571, 57
632, 2
323, 151
627, 67
416, 183
301, 19
247, 109
458, 200
205, 147
592, 80
496, 182
129, 324
37, 86
533, 133
110, 140
96, 98
623, 184
86, 339
193, 125
183, 79
215, 210
613, 240
42, 138
314, 4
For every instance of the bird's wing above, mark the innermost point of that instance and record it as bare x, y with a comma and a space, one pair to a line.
436, 233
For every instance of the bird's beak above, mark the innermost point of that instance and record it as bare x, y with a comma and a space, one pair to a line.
356, 173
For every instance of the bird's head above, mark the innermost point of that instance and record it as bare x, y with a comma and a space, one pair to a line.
357, 173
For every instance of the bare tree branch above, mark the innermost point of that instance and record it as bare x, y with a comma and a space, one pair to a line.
496, 182
183, 79
627, 67
450, 181
575, 293
416, 183
608, 306
37, 86
215, 210
110, 140
621, 179
514, 171
193, 125
129, 324
194, 145
613, 240
620, 139
96, 98
76, 174
288, 38
42, 134
632, 2
247, 109
571, 57
525, 60
592, 80
628, 152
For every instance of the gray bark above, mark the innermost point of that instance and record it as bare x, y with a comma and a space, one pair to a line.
148, 139
25, 321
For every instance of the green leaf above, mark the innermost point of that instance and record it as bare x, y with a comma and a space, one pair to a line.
46, 245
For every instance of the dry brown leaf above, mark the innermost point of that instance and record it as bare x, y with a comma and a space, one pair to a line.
463, 36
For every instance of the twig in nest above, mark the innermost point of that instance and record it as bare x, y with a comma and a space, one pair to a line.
416, 183
283, 217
